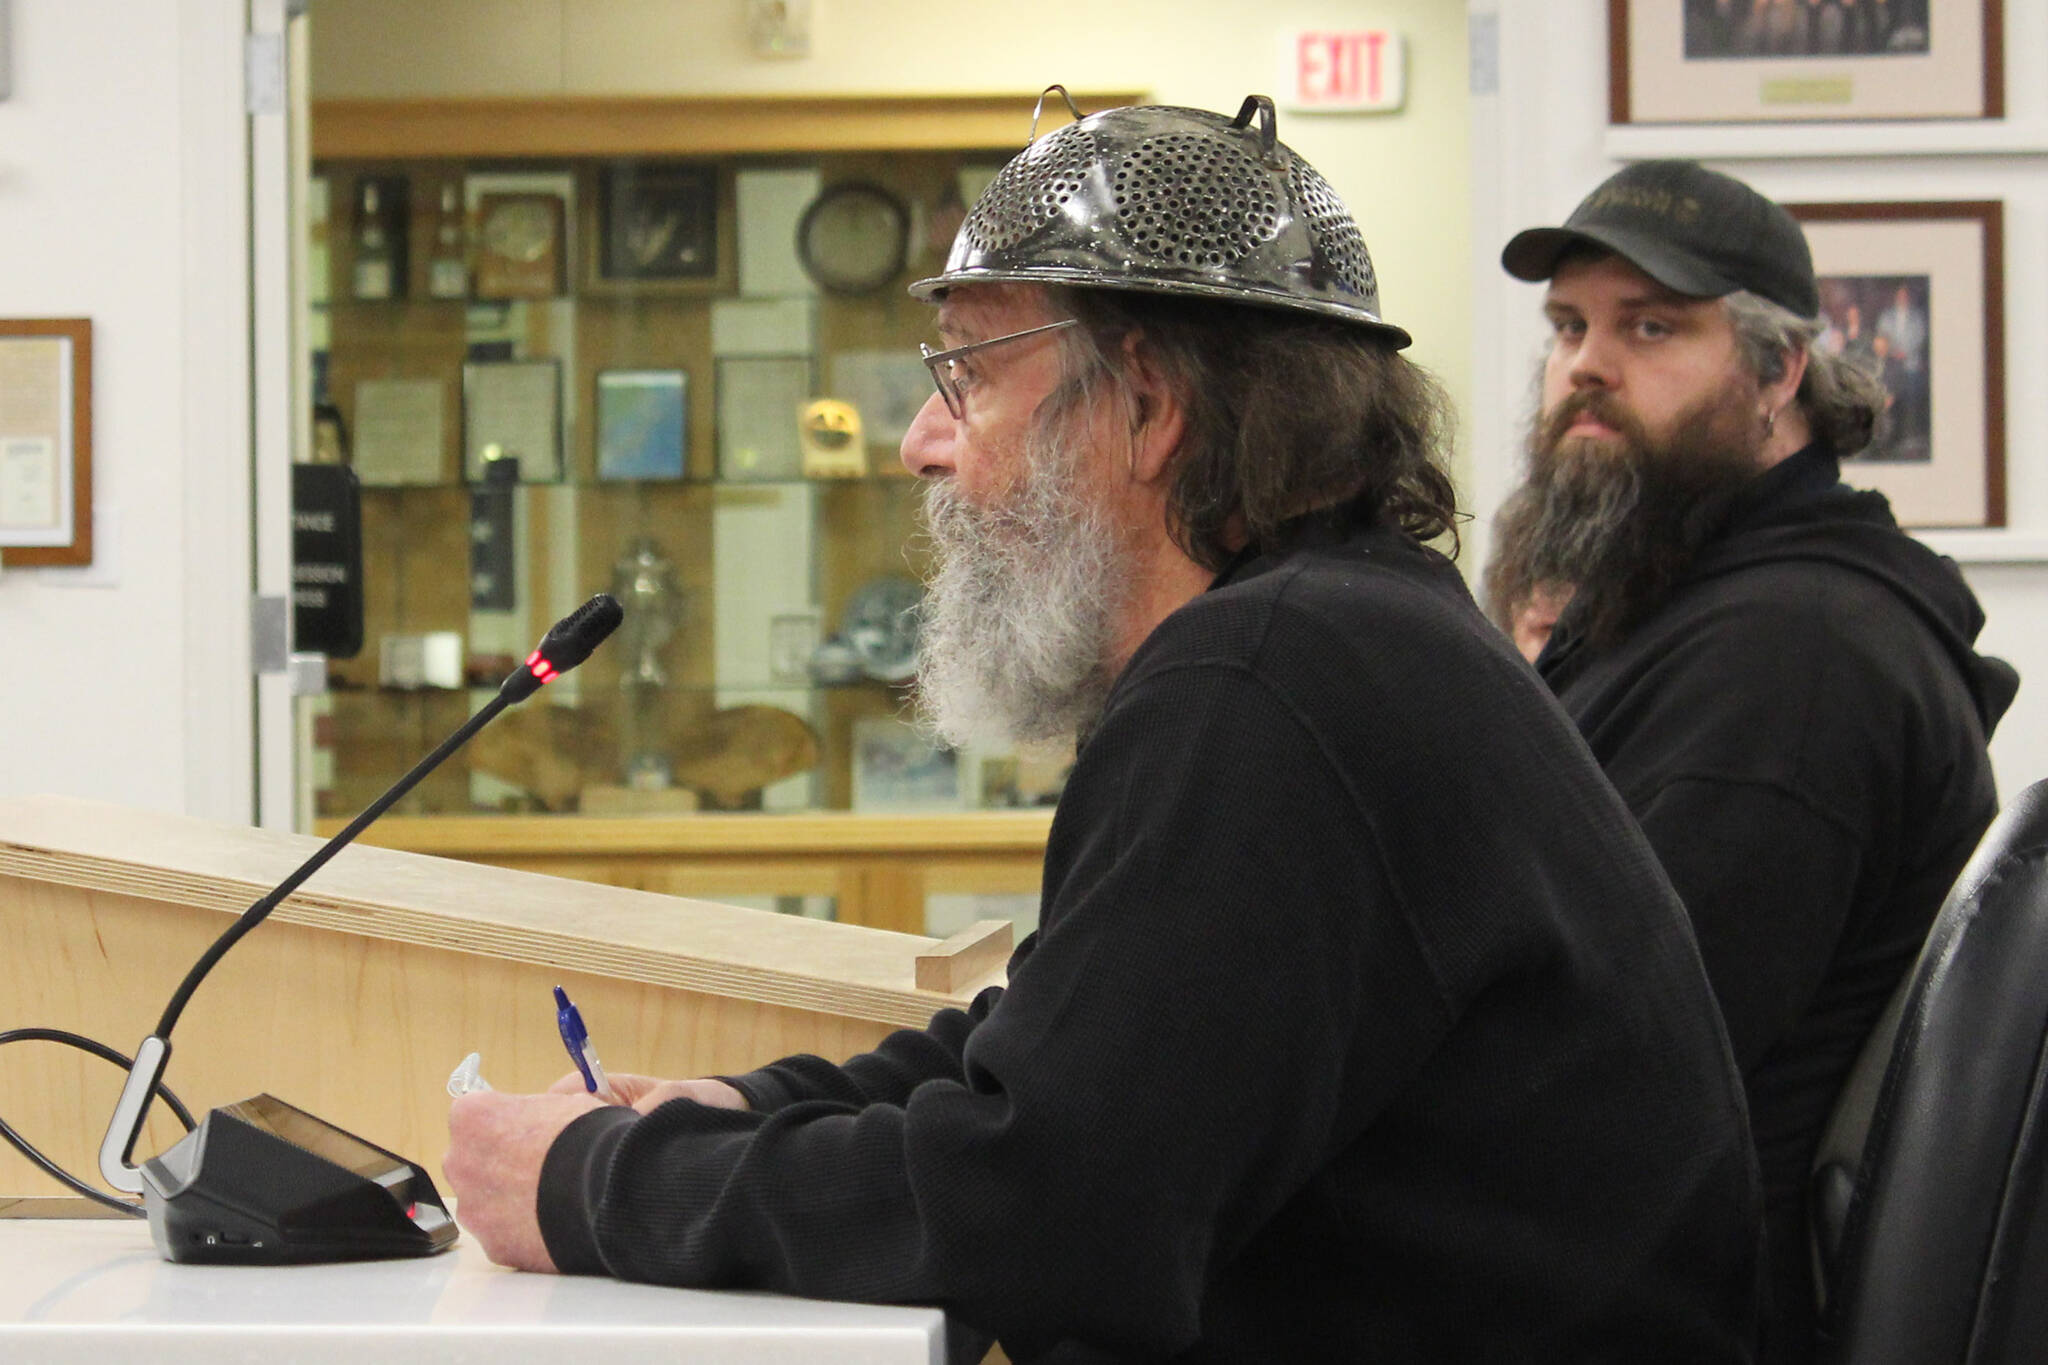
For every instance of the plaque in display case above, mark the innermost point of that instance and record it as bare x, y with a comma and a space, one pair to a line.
760, 404
519, 246
658, 223
327, 560
513, 408
642, 424
398, 431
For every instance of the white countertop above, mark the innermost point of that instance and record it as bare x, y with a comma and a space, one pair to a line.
95, 1291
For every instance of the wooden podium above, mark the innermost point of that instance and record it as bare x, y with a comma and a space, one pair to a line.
365, 988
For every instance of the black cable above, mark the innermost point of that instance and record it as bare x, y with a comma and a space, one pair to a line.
106, 1054
260, 911
568, 643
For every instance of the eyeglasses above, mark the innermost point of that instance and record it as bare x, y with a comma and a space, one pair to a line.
947, 378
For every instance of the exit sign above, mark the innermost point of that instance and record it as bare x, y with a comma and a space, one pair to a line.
1335, 71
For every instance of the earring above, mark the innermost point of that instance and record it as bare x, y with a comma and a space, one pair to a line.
1770, 422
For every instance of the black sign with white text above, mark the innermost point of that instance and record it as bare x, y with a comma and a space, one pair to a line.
327, 561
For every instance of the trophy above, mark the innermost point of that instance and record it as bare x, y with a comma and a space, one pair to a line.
644, 581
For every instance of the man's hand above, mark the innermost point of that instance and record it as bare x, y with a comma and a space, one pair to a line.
496, 1143
647, 1093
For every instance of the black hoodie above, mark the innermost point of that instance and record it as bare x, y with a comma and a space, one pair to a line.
1800, 729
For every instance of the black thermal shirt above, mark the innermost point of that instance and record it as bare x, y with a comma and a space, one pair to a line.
1361, 1025
1800, 729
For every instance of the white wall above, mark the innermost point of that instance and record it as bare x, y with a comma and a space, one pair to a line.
1401, 174
122, 200
1542, 141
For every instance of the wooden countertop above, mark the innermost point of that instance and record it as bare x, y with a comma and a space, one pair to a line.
410, 897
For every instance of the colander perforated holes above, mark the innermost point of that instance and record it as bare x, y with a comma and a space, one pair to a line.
1336, 236
1172, 201
1194, 199
1031, 190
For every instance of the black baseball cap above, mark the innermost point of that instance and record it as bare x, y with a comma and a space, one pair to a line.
1688, 228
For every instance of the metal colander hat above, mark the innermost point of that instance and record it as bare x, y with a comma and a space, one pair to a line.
1167, 200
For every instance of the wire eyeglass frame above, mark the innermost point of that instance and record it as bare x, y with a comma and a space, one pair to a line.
940, 363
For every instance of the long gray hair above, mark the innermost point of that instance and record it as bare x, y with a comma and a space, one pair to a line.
1287, 414
1843, 401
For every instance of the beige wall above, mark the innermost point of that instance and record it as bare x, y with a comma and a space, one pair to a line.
1404, 175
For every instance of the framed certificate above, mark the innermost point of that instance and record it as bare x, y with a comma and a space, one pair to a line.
45, 442
398, 432
760, 406
513, 409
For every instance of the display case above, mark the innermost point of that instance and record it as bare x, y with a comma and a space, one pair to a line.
661, 348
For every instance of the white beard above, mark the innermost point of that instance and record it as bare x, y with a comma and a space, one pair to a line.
1017, 620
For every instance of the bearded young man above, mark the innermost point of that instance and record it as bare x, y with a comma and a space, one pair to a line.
1360, 1025
1780, 682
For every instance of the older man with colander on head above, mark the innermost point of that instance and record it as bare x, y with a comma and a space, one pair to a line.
1361, 1024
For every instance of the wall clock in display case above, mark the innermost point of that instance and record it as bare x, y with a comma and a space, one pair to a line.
854, 238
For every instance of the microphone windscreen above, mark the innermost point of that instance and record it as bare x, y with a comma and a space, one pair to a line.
573, 637
568, 644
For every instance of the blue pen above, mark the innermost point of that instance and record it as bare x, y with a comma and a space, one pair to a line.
577, 1040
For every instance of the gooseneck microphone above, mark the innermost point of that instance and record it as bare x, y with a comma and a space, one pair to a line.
568, 643
261, 1181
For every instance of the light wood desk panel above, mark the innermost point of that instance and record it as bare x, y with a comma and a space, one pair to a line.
367, 986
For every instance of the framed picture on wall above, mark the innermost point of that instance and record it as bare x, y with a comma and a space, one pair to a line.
659, 227
45, 442
1915, 292
1804, 61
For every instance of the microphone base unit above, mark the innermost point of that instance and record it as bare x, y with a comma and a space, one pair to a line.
261, 1182
264, 1183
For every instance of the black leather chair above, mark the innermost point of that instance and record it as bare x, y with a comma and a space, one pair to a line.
1930, 1206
